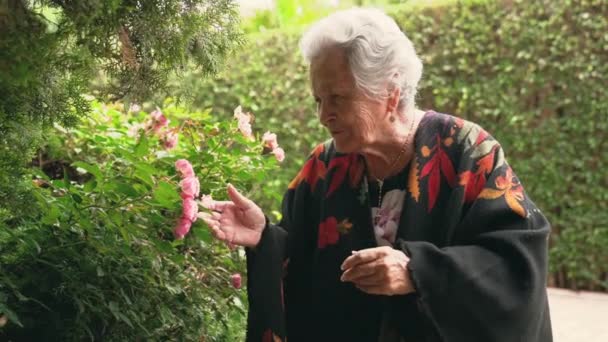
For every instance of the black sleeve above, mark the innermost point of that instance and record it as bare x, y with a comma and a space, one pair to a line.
489, 284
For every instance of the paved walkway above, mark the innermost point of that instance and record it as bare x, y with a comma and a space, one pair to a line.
578, 316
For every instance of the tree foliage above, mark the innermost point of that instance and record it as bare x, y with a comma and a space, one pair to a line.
50, 50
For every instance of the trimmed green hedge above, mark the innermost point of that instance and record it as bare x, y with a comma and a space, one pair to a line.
532, 73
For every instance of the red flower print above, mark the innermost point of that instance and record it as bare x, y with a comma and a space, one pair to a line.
328, 232
351, 163
438, 164
475, 182
312, 171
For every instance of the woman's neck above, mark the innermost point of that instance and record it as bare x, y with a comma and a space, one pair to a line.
394, 146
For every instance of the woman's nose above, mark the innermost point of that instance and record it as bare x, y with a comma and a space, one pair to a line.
326, 113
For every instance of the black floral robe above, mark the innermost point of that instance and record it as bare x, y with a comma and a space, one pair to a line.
477, 243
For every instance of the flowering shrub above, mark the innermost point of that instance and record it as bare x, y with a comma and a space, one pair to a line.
118, 253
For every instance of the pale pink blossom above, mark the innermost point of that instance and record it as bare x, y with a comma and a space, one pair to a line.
170, 140
190, 187
207, 201
184, 168
182, 228
270, 140
189, 209
244, 122
135, 129
159, 120
279, 154
245, 128
238, 112
236, 280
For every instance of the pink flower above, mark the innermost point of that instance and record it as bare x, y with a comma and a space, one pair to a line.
189, 209
279, 154
184, 168
238, 113
270, 140
190, 187
170, 140
134, 130
206, 201
182, 228
244, 122
159, 120
236, 280
245, 128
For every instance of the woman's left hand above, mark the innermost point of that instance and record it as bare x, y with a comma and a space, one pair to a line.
378, 271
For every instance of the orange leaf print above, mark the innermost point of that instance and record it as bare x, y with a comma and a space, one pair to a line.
512, 191
413, 183
514, 204
344, 226
488, 193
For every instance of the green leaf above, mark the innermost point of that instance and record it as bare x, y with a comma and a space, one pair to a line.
126, 189
145, 173
142, 147
77, 198
201, 232
51, 215
90, 168
166, 194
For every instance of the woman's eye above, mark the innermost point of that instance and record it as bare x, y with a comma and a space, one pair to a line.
336, 98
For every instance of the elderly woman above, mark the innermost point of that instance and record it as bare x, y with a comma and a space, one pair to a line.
406, 226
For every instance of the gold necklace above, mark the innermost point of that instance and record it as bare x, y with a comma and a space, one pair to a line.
397, 158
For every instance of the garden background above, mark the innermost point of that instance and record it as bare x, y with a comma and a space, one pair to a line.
99, 99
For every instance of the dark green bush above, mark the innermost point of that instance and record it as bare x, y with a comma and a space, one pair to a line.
532, 72
100, 261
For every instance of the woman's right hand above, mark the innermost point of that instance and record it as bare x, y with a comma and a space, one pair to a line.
237, 222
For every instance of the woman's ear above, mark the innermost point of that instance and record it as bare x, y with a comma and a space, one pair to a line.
393, 99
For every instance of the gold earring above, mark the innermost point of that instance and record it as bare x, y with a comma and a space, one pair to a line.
391, 118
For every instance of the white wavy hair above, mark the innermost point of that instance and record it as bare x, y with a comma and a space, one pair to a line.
377, 50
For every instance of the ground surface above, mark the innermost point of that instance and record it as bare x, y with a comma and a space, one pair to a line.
578, 316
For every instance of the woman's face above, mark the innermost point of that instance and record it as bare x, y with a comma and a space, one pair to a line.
351, 117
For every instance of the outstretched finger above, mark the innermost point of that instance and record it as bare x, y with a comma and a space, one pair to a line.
219, 205
239, 200
207, 216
